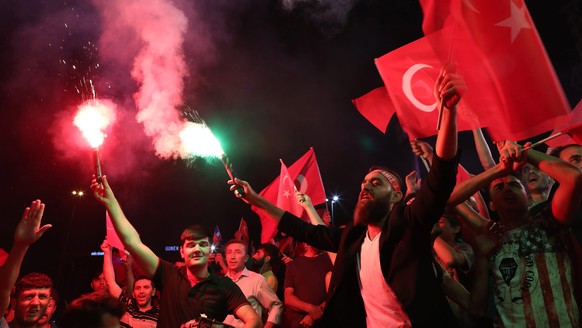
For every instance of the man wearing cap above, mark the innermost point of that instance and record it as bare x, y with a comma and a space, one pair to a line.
384, 274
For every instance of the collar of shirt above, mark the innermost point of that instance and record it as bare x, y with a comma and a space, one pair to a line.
245, 272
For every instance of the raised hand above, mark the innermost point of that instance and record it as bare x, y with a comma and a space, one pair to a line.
512, 153
105, 247
249, 196
412, 182
488, 238
102, 191
28, 229
303, 199
421, 148
449, 87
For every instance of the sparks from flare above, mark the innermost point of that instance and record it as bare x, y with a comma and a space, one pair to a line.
198, 141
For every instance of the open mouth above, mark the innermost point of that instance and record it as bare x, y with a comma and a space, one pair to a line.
365, 195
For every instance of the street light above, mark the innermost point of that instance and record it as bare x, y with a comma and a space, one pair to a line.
334, 199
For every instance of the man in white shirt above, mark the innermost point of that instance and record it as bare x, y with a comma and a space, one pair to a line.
252, 284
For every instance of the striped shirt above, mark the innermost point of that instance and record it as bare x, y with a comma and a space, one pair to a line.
533, 276
134, 318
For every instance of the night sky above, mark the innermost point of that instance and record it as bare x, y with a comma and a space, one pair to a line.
270, 83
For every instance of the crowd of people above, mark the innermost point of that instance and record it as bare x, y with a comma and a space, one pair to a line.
417, 253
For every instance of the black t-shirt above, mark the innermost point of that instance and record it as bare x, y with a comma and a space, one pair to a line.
215, 297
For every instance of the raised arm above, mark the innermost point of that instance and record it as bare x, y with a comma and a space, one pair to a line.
258, 203
470, 186
26, 233
305, 201
483, 150
448, 89
568, 195
144, 256
320, 236
109, 271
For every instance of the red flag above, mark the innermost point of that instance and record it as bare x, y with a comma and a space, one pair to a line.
3, 256
462, 174
243, 231
217, 236
305, 174
112, 237
503, 60
409, 74
571, 129
286, 195
376, 107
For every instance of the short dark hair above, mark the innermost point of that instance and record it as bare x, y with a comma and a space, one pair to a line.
32, 281
195, 231
556, 152
515, 174
87, 311
383, 168
270, 250
142, 277
238, 241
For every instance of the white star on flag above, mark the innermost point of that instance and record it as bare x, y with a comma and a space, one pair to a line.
516, 21
286, 193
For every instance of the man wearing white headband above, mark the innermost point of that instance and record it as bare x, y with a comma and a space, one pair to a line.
383, 275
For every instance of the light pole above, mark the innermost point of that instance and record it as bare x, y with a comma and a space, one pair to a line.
334, 199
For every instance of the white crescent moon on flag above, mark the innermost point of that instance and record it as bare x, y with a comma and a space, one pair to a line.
407, 88
302, 183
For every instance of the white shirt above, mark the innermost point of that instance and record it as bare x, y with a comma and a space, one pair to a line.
258, 293
382, 307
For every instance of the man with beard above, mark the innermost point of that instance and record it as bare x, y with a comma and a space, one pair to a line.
140, 312
383, 275
252, 284
33, 293
267, 261
188, 292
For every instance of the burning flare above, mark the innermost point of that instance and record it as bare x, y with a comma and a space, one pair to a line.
93, 118
198, 140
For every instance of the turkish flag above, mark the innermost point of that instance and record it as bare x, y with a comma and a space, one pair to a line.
409, 74
304, 174
376, 107
505, 65
571, 129
243, 231
286, 195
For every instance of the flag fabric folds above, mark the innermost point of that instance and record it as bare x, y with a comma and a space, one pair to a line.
376, 107
243, 232
304, 174
513, 88
571, 129
409, 74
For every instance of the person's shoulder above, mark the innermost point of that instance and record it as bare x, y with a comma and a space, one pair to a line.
254, 275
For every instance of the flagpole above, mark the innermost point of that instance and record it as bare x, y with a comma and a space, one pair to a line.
426, 164
553, 136
441, 105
